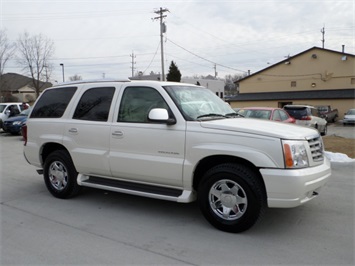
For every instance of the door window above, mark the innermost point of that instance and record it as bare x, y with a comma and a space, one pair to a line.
95, 104
137, 102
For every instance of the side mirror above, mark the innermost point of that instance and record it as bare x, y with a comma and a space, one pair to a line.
161, 115
7, 112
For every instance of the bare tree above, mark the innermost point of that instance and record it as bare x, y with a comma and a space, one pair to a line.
35, 53
75, 77
7, 50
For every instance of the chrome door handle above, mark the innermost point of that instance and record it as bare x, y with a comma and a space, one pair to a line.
117, 133
73, 130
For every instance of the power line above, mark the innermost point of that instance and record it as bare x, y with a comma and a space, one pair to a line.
214, 63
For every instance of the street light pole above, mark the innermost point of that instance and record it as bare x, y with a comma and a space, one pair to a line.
62, 65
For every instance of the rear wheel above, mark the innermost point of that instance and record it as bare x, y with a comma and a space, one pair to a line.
60, 175
231, 197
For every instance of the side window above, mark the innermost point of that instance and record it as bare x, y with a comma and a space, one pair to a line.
283, 115
276, 116
314, 112
13, 110
137, 102
95, 104
53, 103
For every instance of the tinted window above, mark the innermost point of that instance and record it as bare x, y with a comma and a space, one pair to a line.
53, 103
95, 104
137, 102
297, 112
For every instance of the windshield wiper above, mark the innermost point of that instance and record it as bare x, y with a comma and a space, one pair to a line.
210, 115
234, 115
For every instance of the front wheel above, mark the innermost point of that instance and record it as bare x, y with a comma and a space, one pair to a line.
231, 197
60, 175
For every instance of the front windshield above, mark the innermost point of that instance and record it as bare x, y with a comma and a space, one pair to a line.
198, 102
351, 112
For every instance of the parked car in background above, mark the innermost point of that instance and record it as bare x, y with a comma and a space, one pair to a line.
349, 117
14, 124
267, 113
10, 109
327, 112
307, 115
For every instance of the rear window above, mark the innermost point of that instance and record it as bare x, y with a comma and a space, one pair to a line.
296, 112
53, 103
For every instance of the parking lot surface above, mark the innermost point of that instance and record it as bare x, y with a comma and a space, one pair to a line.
106, 228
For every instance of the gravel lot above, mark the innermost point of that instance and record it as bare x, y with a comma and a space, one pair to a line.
104, 228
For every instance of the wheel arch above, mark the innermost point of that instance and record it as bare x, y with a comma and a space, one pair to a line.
207, 163
48, 148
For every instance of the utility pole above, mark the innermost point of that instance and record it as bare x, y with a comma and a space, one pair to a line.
133, 68
323, 40
161, 12
215, 71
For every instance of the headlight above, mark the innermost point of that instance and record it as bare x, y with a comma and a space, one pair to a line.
17, 123
295, 154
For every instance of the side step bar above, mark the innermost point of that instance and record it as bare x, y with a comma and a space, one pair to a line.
150, 191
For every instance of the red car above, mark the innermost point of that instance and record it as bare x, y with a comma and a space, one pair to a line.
267, 113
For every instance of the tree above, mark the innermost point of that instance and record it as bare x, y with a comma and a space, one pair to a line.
7, 50
174, 73
230, 88
75, 77
35, 53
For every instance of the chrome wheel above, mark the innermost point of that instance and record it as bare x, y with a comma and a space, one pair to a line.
58, 175
228, 200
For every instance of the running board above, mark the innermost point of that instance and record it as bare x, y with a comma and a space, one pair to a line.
150, 191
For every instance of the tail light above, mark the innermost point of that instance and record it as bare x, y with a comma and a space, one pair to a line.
24, 133
306, 117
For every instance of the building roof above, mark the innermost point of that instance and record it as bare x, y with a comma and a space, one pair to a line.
292, 57
295, 95
13, 82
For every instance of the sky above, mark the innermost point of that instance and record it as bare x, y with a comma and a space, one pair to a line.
106, 38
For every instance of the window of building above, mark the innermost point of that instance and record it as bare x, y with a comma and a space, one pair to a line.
293, 84
352, 81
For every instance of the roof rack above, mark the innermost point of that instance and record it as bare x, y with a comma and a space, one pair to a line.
91, 81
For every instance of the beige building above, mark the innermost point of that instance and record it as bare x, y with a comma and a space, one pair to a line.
316, 77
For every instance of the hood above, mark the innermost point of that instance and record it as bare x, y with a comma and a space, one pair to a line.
349, 116
261, 127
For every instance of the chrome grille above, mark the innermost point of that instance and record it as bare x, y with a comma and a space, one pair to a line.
316, 147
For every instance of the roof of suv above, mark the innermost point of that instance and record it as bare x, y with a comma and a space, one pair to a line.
163, 83
90, 81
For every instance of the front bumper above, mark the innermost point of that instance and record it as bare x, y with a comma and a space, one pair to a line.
287, 188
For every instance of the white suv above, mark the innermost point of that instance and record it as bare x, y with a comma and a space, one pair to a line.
307, 115
172, 141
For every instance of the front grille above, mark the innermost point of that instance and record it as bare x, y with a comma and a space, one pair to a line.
316, 147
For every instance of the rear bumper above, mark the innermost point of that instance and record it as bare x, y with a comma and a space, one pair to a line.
291, 188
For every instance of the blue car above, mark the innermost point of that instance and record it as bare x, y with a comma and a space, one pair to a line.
14, 124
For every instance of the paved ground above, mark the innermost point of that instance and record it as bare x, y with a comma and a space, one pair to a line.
101, 228
337, 129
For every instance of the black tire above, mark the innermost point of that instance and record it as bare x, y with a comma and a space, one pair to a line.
231, 197
60, 175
